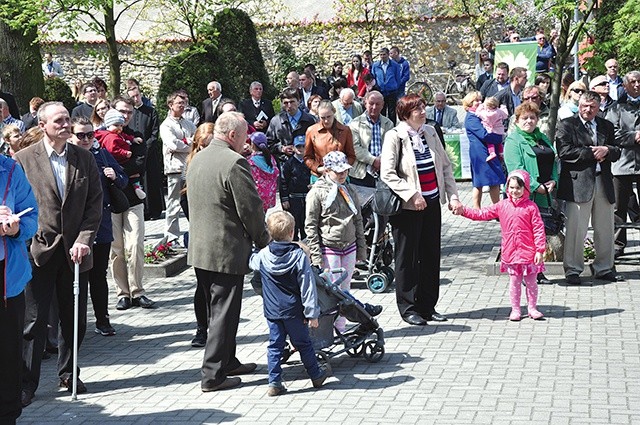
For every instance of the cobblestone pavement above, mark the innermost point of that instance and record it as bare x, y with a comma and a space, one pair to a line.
580, 366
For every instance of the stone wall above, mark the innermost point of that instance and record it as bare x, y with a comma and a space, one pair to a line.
426, 43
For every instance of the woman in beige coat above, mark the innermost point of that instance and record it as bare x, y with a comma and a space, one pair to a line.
416, 167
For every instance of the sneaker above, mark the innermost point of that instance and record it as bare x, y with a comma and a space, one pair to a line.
200, 340
105, 329
140, 193
326, 372
276, 390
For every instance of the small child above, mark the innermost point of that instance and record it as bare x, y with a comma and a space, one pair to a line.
334, 222
294, 186
493, 116
119, 145
290, 299
10, 138
264, 170
523, 240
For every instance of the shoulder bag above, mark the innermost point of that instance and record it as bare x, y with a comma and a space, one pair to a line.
385, 201
551, 215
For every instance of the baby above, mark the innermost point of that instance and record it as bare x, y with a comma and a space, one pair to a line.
119, 146
493, 116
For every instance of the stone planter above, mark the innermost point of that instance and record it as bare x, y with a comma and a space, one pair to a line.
170, 267
553, 268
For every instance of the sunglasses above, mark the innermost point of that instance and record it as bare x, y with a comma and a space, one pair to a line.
579, 91
87, 135
531, 98
604, 83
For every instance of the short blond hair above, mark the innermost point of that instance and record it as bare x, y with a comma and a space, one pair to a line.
281, 225
471, 97
9, 130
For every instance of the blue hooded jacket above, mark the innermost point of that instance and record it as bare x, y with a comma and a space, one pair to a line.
288, 285
18, 196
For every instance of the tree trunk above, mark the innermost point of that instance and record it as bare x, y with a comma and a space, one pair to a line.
20, 65
562, 54
112, 47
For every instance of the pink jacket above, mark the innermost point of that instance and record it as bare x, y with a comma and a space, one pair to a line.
492, 119
520, 222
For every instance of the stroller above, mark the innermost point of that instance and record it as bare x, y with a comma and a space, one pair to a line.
365, 338
377, 268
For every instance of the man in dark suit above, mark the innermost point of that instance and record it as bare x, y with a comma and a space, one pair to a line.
209, 111
586, 147
227, 211
144, 124
30, 119
255, 107
67, 186
308, 89
499, 82
85, 109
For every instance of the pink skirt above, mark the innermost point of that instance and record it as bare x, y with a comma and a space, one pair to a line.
521, 269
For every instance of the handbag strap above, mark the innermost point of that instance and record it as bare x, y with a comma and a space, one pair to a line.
6, 189
546, 191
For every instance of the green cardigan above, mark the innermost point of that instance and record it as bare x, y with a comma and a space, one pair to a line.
519, 155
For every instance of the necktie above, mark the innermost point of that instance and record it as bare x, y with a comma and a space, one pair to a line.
439, 117
589, 128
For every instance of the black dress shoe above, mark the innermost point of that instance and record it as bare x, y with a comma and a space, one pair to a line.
243, 369
124, 303
542, 279
414, 319
26, 398
437, 317
227, 383
572, 279
611, 277
67, 383
143, 302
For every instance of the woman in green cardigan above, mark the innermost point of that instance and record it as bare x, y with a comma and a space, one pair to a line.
527, 148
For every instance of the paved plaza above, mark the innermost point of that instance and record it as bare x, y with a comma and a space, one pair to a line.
580, 366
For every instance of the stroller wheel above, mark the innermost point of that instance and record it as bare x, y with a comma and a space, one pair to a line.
372, 352
321, 356
356, 350
377, 283
389, 272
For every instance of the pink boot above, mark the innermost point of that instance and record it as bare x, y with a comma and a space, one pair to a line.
532, 297
515, 291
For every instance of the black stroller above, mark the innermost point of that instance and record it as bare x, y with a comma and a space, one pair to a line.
364, 338
377, 268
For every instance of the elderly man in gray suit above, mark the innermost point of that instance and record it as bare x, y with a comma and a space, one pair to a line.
586, 147
226, 212
67, 186
444, 115
368, 132
347, 108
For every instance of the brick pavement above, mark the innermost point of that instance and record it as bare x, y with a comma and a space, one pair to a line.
581, 366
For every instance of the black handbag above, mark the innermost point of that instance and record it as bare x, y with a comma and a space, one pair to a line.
385, 201
552, 217
118, 200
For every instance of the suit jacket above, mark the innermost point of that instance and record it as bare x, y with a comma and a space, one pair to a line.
361, 132
207, 113
449, 116
29, 121
82, 110
578, 165
225, 208
320, 91
505, 97
357, 110
251, 112
75, 218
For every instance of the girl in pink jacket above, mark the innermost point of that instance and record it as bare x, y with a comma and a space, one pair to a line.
523, 240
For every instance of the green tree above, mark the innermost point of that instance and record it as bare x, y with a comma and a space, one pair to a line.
20, 61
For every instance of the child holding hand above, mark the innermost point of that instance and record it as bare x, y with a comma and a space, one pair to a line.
523, 240
492, 116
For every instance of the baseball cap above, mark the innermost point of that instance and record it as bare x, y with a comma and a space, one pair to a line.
336, 161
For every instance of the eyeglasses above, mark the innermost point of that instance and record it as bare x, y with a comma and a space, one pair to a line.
604, 83
579, 91
535, 97
91, 91
87, 135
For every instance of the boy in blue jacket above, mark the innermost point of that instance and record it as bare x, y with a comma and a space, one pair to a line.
290, 300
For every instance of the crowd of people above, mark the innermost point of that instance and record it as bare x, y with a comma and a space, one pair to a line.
226, 164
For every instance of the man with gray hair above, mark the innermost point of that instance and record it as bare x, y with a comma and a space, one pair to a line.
225, 208
257, 111
209, 112
626, 170
441, 113
7, 119
368, 132
347, 108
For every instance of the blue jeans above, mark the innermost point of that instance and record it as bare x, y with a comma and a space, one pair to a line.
299, 335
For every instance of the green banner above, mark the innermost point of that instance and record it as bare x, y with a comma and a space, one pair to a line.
457, 147
522, 54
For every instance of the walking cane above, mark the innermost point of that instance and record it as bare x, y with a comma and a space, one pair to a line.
76, 300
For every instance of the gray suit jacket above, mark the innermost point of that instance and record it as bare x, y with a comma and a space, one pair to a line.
361, 131
449, 119
225, 211
578, 165
75, 218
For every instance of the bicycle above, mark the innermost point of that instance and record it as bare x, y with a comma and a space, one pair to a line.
454, 89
